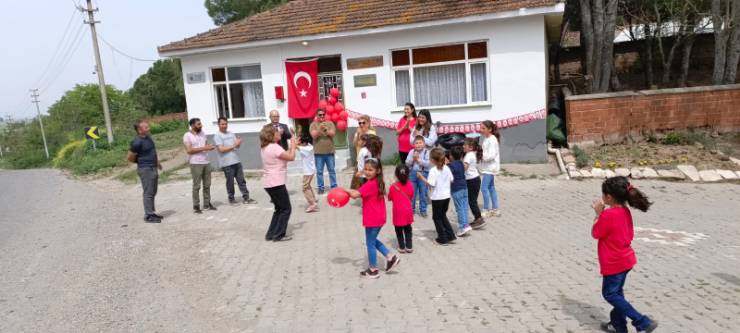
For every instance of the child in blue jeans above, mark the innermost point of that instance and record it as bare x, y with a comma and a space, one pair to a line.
459, 190
418, 162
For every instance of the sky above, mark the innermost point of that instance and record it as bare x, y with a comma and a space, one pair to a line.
46, 45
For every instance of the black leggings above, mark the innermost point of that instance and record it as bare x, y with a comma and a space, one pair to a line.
404, 237
441, 223
473, 190
279, 223
402, 156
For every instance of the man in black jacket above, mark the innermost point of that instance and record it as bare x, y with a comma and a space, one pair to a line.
282, 128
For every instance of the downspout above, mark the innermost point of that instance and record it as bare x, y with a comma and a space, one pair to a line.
559, 158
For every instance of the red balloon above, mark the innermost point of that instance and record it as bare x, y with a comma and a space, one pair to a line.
337, 197
334, 92
332, 100
343, 115
334, 117
339, 107
322, 104
329, 109
342, 124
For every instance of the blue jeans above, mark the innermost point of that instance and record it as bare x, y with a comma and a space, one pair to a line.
328, 160
613, 292
373, 244
420, 193
460, 198
490, 199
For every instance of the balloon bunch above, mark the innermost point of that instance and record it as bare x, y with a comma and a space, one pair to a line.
335, 111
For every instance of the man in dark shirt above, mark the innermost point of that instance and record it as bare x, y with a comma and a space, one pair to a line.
144, 154
281, 128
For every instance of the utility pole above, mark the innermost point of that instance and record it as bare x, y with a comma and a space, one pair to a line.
101, 80
35, 100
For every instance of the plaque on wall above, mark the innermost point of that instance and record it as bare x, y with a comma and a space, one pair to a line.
368, 80
197, 77
367, 62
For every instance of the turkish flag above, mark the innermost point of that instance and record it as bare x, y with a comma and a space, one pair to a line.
303, 88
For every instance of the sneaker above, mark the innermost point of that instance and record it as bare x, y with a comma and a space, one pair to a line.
478, 223
209, 207
196, 209
401, 250
320, 192
152, 219
424, 215
439, 242
653, 325
370, 274
158, 216
312, 208
409, 250
283, 239
249, 201
391, 264
466, 230
232, 201
495, 213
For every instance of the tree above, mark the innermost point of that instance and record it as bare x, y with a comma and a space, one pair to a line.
227, 11
160, 90
598, 24
726, 24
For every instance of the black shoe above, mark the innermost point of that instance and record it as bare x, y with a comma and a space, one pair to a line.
283, 239
249, 201
370, 274
232, 201
478, 223
158, 216
440, 242
653, 325
196, 209
152, 219
209, 207
608, 327
391, 264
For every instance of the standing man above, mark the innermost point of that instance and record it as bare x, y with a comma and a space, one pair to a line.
322, 132
227, 143
197, 148
144, 154
281, 128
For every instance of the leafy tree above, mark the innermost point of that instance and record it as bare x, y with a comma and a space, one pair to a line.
598, 23
160, 90
227, 11
726, 23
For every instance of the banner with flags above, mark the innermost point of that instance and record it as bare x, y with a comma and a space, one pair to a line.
462, 127
303, 88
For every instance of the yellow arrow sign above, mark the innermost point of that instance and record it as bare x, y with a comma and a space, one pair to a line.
92, 133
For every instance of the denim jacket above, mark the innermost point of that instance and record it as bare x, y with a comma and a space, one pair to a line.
414, 167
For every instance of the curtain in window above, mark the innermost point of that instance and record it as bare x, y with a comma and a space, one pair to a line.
221, 100
439, 85
478, 82
403, 91
254, 99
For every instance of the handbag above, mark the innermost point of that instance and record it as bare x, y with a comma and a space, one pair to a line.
402, 192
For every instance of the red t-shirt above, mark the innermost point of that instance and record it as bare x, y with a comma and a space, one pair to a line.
614, 231
401, 198
403, 139
373, 205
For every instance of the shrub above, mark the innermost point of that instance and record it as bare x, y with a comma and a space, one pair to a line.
581, 157
66, 151
674, 138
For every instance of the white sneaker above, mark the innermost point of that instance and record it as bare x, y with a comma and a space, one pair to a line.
496, 212
464, 231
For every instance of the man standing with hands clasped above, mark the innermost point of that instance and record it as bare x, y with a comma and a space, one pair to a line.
197, 147
226, 144
144, 154
322, 132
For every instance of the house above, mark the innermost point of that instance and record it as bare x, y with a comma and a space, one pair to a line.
465, 61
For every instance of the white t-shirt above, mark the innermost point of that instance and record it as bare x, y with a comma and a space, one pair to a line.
472, 161
491, 163
440, 181
362, 155
307, 160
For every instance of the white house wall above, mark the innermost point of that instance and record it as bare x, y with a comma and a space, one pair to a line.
517, 71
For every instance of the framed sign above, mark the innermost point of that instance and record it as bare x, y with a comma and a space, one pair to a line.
197, 77
367, 62
368, 80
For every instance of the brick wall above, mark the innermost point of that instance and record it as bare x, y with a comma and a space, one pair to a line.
609, 118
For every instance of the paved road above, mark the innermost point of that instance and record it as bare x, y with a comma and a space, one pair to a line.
76, 257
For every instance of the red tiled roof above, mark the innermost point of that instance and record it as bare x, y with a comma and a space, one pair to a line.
311, 17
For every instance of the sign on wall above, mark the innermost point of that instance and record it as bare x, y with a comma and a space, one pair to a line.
367, 62
368, 80
197, 77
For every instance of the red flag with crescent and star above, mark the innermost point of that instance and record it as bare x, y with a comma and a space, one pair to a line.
303, 88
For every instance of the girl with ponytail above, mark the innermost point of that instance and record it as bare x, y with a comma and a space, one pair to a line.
614, 229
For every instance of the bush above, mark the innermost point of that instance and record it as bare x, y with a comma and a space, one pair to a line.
581, 157
167, 126
674, 138
66, 151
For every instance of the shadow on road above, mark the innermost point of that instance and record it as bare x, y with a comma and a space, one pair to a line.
586, 314
728, 277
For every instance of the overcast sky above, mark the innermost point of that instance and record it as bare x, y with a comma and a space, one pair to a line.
31, 31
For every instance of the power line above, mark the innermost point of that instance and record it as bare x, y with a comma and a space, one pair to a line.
58, 47
67, 56
121, 52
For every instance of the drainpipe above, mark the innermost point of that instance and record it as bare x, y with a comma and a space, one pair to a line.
559, 158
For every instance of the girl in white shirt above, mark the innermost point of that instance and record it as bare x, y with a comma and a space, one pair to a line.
309, 169
440, 180
489, 167
473, 153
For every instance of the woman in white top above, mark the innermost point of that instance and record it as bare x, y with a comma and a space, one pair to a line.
489, 166
425, 129
473, 153
440, 180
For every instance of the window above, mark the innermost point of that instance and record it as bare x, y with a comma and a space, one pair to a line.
454, 74
238, 92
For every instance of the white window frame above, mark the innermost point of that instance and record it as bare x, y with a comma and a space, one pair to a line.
468, 80
226, 83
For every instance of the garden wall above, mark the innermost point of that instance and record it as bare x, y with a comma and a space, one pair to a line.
612, 117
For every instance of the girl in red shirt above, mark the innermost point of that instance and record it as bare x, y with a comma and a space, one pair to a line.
400, 193
614, 230
373, 217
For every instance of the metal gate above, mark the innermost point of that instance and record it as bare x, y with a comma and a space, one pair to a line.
326, 82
